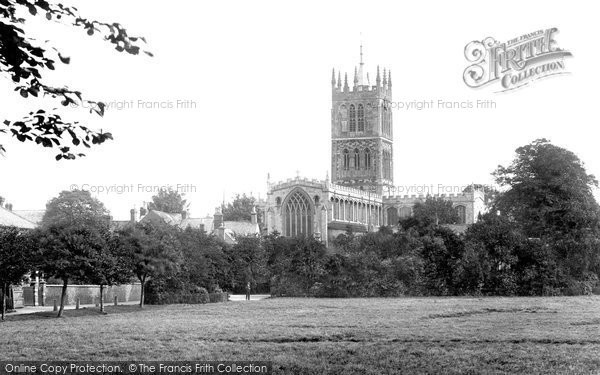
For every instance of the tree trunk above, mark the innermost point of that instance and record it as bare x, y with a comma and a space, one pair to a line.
3, 301
63, 295
101, 298
142, 293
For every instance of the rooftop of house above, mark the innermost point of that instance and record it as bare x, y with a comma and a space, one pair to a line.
35, 216
237, 227
9, 218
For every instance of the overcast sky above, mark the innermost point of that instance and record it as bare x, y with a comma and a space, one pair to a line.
256, 79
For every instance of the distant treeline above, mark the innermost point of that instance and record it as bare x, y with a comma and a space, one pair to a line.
540, 236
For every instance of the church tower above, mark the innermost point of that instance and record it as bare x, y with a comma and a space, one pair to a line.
361, 130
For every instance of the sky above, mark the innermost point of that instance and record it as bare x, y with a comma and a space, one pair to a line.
238, 90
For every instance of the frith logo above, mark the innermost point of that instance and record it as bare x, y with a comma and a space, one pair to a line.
515, 63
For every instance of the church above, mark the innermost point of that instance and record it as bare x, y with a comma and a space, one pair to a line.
358, 194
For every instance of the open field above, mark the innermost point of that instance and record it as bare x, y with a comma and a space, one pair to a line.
316, 336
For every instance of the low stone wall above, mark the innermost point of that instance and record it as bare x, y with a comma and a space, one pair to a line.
89, 294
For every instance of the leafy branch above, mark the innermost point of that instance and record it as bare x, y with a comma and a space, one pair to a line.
24, 61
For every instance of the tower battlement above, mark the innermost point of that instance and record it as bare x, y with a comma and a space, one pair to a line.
458, 196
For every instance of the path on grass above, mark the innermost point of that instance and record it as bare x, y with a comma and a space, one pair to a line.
35, 309
242, 297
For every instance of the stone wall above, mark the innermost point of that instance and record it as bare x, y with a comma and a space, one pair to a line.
473, 202
89, 294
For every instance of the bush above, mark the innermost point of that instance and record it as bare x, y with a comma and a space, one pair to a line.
202, 295
162, 291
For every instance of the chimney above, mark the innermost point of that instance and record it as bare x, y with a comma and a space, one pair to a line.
221, 231
184, 215
218, 218
9, 206
132, 216
254, 216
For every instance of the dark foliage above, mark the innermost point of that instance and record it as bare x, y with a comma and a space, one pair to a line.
24, 61
168, 200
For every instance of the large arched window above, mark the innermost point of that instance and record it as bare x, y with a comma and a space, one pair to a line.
356, 159
462, 214
361, 118
369, 117
343, 116
297, 215
346, 157
352, 118
367, 159
386, 165
385, 120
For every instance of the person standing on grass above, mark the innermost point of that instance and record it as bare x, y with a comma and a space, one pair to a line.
248, 291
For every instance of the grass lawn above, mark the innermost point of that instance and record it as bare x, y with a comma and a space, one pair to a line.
330, 336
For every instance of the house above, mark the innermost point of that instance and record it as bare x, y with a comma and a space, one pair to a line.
225, 230
9, 218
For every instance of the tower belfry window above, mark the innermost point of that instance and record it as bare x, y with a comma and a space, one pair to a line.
384, 119
343, 116
361, 118
352, 118
367, 159
346, 156
356, 159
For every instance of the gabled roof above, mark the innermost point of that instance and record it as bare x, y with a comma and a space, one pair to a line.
197, 223
241, 227
232, 228
35, 216
172, 219
176, 219
8, 218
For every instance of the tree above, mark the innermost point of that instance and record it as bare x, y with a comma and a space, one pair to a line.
168, 200
249, 261
15, 259
24, 60
548, 195
441, 251
74, 231
308, 260
68, 253
548, 191
432, 212
206, 263
496, 243
75, 207
240, 209
154, 251
111, 265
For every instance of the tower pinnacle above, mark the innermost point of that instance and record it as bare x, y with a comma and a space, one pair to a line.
346, 88
333, 77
